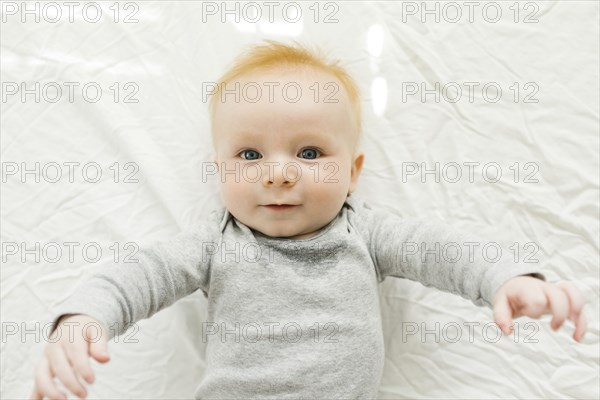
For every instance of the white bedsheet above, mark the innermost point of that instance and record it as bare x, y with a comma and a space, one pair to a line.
551, 129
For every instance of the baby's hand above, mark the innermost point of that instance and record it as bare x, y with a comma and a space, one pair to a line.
69, 355
532, 297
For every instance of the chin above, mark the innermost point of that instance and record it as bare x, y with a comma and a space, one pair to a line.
280, 233
284, 234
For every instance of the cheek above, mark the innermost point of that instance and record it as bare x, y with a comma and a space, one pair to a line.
332, 184
332, 176
325, 173
235, 194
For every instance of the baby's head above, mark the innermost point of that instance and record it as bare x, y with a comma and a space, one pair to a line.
286, 127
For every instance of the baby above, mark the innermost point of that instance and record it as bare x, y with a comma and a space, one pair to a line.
291, 264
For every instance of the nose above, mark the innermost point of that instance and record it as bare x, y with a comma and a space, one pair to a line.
281, 174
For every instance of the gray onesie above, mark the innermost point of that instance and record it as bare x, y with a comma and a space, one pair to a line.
293, 318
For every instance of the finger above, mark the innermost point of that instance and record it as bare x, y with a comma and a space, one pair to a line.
503, 313
36, 394
98, 347
44, 383
576, 300
559, 305
580, 327
577, 303
77, 354
60, 366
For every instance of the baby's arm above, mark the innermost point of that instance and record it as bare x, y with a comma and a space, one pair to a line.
118, 296
124, 293
426, 252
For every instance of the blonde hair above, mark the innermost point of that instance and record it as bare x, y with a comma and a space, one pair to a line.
275, 54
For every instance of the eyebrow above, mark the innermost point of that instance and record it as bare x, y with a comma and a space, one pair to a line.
303, 136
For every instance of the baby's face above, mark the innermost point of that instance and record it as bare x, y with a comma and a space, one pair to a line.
281, 152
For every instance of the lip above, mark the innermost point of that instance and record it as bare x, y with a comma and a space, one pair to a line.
280, 207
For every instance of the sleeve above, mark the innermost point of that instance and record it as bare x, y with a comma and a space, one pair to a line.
439, 256
159, 275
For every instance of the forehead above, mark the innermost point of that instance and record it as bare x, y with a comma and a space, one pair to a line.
280, 100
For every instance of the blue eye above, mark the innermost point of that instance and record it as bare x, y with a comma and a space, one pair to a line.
310, 153
254, 155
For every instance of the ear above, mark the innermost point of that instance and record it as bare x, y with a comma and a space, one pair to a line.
357, 165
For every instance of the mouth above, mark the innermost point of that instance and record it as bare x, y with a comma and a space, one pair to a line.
280, 207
